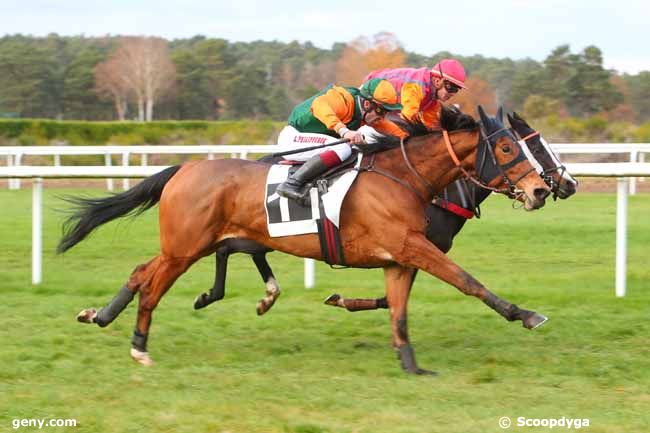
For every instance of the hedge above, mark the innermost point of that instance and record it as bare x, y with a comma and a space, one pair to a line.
28, 132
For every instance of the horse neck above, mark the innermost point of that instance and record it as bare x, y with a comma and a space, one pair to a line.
429, 156
481, 195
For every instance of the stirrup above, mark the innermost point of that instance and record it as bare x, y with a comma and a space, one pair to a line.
299, 193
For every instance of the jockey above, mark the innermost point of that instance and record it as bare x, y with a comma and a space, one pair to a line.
332, 113
421, 90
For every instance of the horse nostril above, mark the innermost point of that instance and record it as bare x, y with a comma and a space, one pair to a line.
541, 193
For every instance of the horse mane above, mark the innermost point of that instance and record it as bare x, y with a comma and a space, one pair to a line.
451, 119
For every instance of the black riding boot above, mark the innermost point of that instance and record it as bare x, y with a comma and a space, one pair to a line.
294, 186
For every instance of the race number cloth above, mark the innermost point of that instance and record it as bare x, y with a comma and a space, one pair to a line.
286, 217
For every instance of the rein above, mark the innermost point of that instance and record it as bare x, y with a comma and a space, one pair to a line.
371, 168
426, 183
531, 135
466, 174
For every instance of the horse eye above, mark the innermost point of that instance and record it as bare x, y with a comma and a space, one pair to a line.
505, 149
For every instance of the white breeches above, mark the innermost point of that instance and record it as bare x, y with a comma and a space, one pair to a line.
290, 138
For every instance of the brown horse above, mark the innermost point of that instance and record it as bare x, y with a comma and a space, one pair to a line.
205, 203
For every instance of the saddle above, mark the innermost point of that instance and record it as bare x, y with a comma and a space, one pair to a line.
318, 213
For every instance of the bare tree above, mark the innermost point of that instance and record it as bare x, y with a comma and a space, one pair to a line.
109, 84
144, 66
365, 54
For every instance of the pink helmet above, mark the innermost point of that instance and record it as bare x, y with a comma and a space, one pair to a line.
450, 70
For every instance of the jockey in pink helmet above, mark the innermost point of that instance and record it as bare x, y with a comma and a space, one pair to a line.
420, 90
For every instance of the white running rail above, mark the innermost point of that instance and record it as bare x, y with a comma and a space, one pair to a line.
15, 154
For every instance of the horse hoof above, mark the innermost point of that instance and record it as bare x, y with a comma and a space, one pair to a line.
406, 355
265, 304
419, 371
87, 316
263, 307
535, 320
201, 301
141, 357
333, 300
260, 308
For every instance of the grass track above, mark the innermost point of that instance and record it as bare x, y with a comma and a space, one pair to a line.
309, 368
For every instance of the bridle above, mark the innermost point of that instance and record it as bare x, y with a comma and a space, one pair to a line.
546, 172
484, 149
484, 143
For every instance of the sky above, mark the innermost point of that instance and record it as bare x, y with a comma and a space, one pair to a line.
498, 28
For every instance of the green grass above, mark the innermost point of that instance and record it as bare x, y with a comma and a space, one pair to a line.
309, 368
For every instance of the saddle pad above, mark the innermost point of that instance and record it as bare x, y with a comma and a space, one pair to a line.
287, 217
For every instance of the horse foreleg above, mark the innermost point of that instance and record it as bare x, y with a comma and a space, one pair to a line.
419, 252
398, 280
272, 287
218, 290
360, 304
153, 281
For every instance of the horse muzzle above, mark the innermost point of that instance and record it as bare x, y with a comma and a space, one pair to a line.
537, 199
566, 189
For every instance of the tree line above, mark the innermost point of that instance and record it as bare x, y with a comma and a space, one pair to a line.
145, 78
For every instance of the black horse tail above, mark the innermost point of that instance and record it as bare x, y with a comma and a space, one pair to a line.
90, 213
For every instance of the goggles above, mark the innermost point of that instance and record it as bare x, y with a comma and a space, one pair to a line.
451, 88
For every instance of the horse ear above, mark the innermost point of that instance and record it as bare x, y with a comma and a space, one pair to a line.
510, 119
482, 115
500, 114
519, 118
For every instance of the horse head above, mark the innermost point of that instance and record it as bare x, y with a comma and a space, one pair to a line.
550, 167
501, 161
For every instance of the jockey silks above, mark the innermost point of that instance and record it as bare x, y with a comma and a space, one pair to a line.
415, 92
332, 109
322, 115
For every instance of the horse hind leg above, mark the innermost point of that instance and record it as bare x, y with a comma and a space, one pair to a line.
153, 280
356, 304
218, 290
272, 287
106, 315
361, 304
258, 252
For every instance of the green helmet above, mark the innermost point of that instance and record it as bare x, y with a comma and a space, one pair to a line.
382, 93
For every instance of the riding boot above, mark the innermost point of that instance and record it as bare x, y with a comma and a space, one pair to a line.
294, 186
